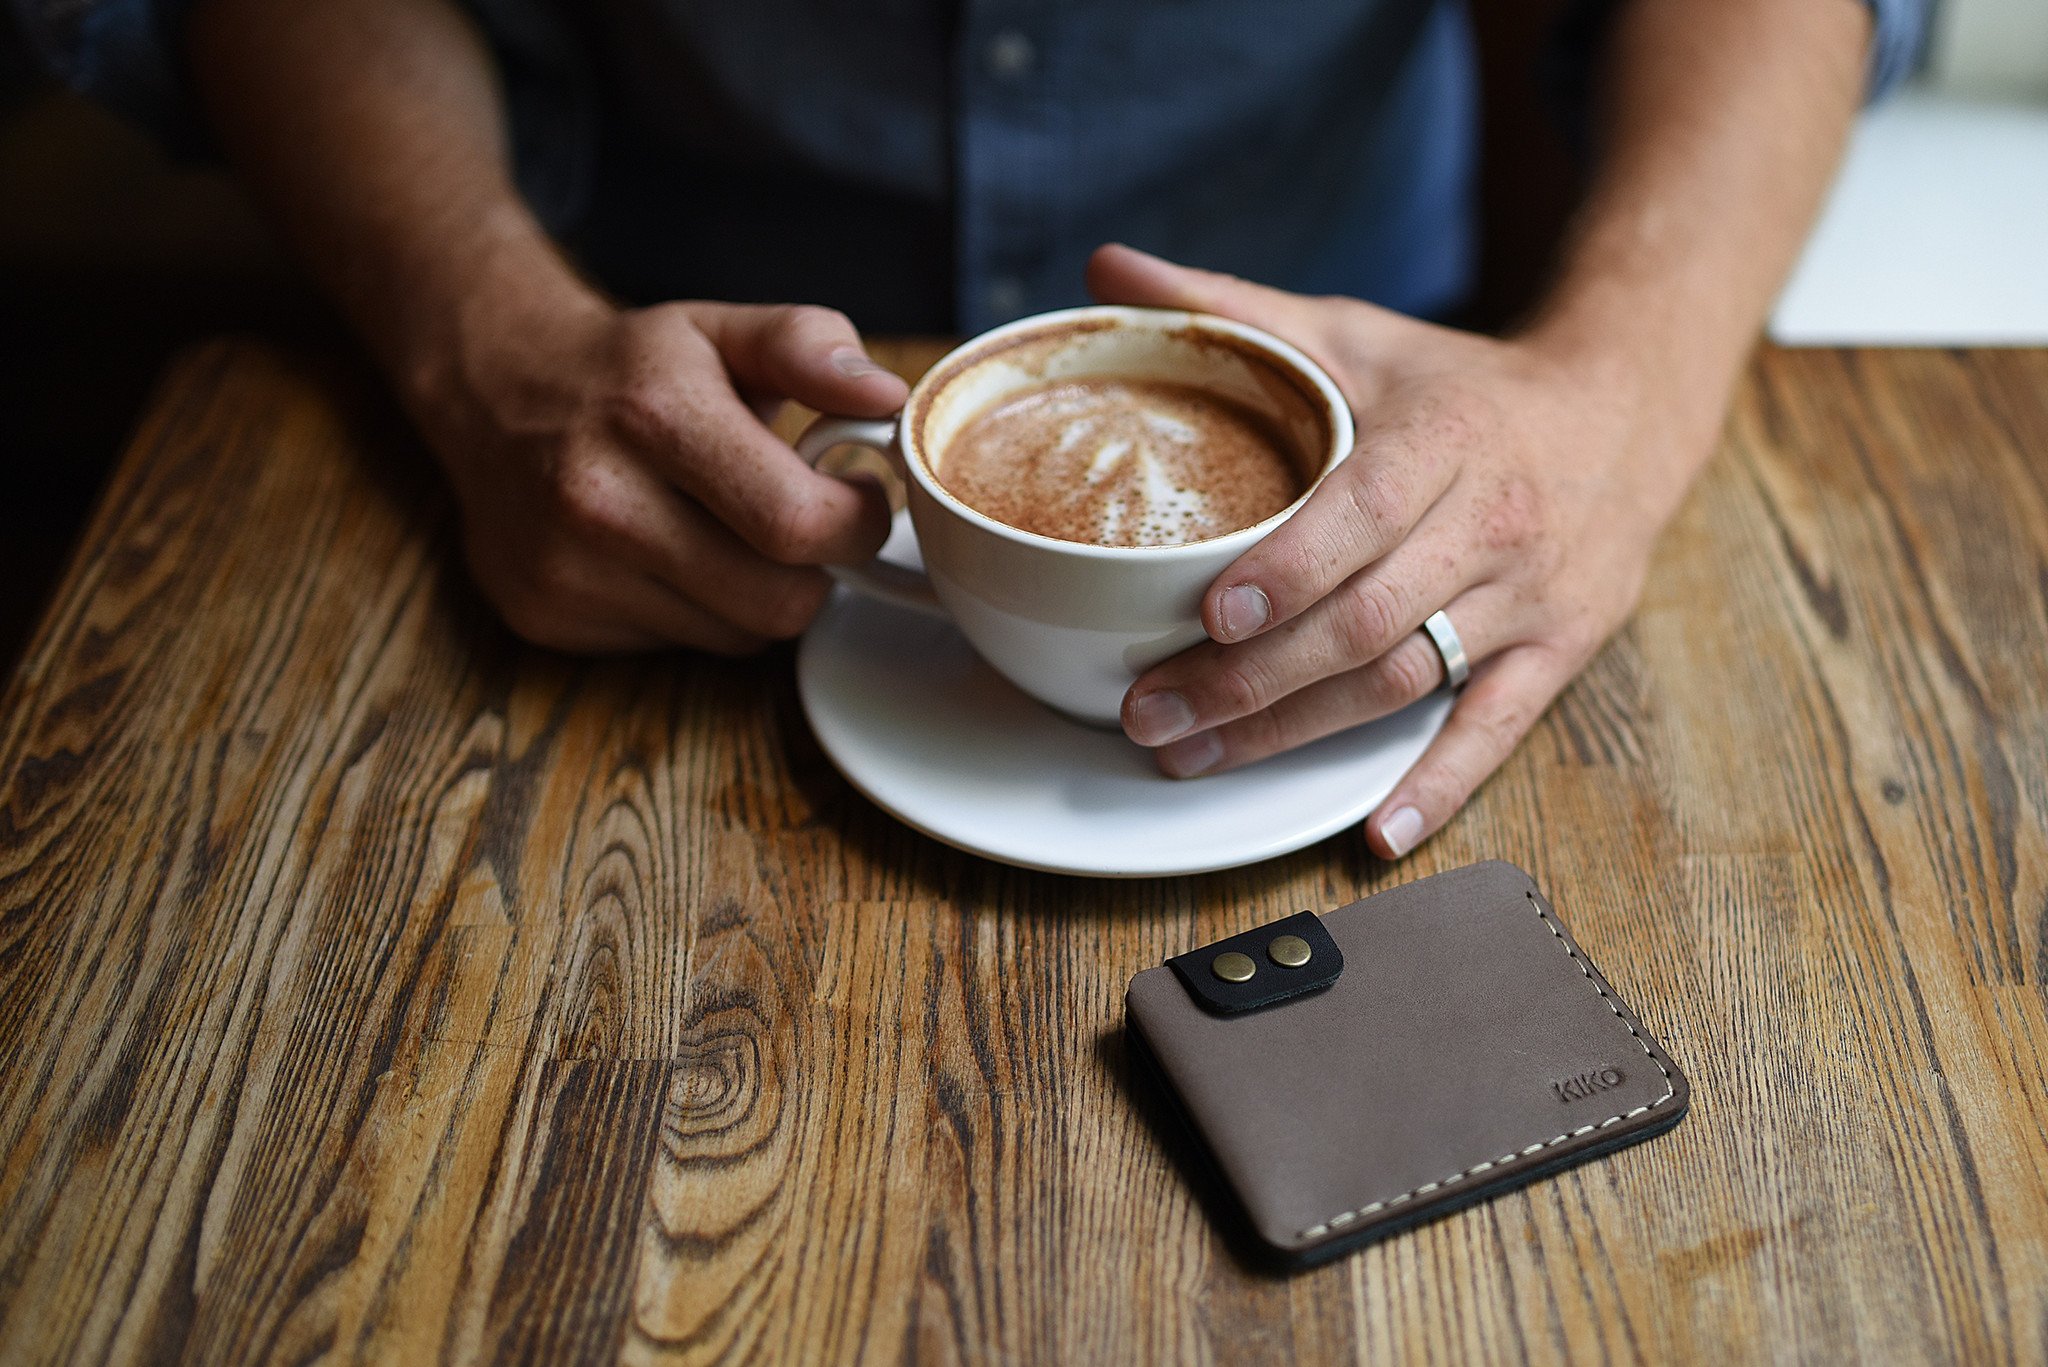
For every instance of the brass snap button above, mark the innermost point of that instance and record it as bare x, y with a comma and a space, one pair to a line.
1234, 967
1288, 951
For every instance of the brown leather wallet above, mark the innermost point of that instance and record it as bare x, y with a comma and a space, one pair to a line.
1461, 1046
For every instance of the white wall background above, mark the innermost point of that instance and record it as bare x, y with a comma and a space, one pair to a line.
1934, 234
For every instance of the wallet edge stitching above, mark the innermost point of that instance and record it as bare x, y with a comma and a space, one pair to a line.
1342, 1220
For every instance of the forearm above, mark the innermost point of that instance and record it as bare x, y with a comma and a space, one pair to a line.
374, 133
1722, 124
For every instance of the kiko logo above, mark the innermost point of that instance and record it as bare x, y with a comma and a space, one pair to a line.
1586, 1084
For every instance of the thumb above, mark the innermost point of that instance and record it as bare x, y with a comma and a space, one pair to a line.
802, 352
1124, 275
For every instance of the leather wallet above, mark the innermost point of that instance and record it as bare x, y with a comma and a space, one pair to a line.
1460, 1044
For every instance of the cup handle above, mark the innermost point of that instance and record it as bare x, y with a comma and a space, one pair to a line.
878, 578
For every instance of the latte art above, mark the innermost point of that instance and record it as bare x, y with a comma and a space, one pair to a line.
1120, 463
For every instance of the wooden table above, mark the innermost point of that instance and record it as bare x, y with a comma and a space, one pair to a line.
376, 987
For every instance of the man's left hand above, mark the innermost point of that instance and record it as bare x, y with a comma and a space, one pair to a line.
1517, 488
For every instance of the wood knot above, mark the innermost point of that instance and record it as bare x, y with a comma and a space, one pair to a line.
716, 1093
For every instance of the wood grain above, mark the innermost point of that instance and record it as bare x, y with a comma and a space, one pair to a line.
373, 988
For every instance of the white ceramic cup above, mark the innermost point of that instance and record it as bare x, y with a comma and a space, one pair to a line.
1072, 623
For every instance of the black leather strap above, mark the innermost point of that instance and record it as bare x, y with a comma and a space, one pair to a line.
1271, 980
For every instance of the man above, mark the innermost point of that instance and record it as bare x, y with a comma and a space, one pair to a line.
950, 163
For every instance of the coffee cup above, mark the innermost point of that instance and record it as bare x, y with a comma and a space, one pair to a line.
1073, 623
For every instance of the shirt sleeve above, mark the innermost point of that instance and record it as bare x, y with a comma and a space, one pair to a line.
1899, 33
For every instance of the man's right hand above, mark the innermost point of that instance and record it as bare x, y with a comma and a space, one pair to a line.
619, 487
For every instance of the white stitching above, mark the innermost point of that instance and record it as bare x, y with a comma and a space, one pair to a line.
1670, 1090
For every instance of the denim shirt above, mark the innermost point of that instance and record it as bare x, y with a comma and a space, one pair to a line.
948, 164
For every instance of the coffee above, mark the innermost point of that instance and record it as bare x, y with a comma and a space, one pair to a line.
1121, 462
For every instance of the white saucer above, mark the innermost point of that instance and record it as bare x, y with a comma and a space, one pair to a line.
916, 721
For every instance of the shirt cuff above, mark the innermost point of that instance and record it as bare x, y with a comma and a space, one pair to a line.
1898, 34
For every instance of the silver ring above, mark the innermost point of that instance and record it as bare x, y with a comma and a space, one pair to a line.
1457, 668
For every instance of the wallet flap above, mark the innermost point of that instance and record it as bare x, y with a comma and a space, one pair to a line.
1467, 1046
1260, 967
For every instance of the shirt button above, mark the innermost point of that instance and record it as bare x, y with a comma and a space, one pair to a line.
1006, 297
1011, 55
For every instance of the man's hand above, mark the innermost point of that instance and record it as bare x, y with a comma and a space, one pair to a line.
619, 487
1505, 485
1517, 485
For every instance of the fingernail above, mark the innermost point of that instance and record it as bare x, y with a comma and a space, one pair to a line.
1241, 610
854, 364
1159, 717
1195, 755
1402, 830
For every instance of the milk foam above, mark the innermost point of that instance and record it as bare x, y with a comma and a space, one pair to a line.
1120, 463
